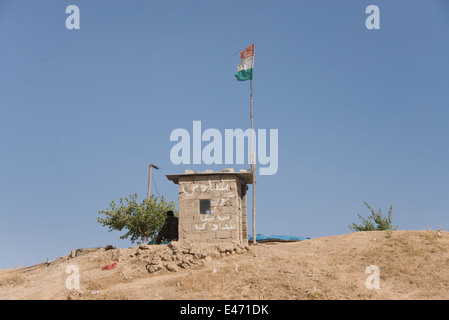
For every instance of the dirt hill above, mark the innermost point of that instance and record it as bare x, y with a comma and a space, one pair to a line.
411, 265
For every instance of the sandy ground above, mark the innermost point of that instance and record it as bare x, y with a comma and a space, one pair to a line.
410, 265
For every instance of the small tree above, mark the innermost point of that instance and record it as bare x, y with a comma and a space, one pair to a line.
376, 221
142, 221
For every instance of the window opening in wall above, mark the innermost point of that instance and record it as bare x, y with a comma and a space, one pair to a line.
205, 206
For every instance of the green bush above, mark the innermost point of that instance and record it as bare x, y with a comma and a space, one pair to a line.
141, 220
375, 222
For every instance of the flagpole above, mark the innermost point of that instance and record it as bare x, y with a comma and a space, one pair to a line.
253, 166
243, 67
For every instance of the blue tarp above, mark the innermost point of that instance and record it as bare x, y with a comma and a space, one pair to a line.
261, 237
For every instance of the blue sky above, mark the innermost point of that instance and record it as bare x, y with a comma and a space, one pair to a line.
362, 114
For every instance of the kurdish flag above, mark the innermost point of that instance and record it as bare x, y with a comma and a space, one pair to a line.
245, 67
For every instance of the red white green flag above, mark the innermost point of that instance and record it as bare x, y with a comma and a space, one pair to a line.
245, 67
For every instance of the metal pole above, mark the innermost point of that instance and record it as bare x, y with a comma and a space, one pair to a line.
253, 168
149, 183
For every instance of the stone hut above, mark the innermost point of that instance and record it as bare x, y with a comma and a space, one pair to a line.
212, 205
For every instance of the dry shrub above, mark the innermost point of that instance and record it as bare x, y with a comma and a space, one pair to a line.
11, 279
205, 282
432, 236
333, 271
212, 283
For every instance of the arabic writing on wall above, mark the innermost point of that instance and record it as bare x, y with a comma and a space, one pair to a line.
201, 188
210, 221
223, 223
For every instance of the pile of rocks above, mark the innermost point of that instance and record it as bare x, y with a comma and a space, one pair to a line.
184, 255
